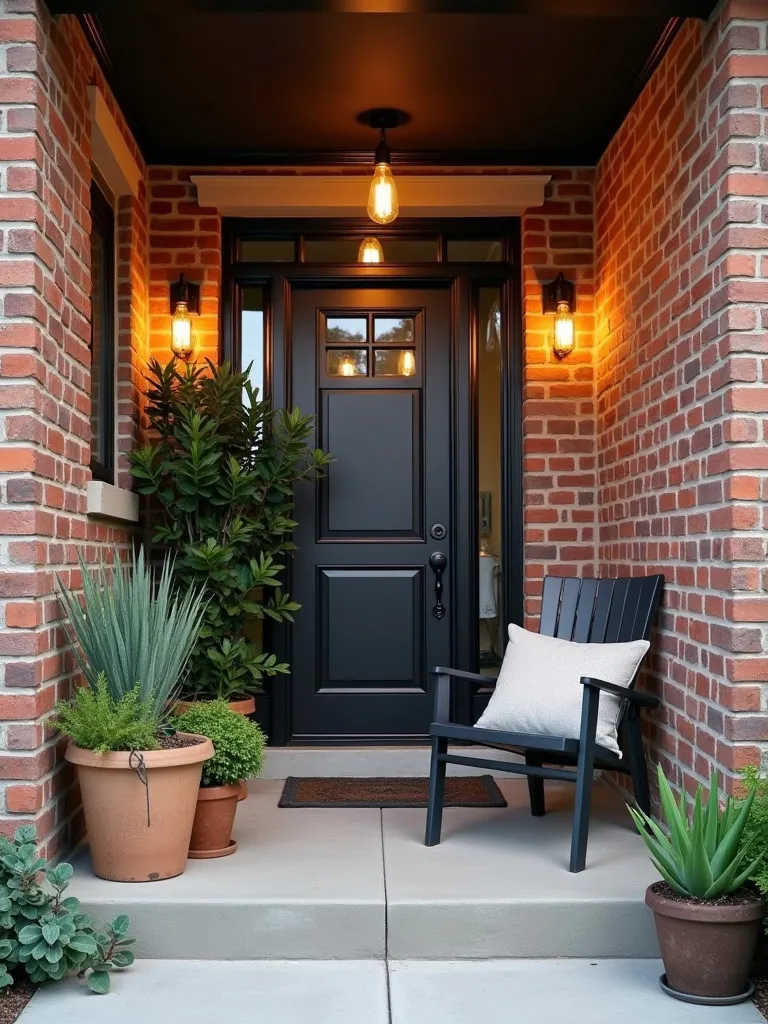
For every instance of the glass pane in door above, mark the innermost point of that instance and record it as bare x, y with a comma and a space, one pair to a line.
252, 336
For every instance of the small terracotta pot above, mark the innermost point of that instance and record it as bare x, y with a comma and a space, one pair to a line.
125, 846
247, 706
706, 947
214, 818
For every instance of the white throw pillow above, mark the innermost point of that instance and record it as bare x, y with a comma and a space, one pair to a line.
538, 691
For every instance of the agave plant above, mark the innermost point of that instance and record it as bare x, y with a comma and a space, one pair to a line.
133, 629
701, 859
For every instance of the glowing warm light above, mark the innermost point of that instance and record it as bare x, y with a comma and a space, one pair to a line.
383, 205
347, 368
181, 331
564, 332
370, 251
407, 366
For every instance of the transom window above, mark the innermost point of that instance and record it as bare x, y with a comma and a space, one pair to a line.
395, 249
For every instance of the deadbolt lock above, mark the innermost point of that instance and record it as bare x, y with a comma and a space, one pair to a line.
438, 531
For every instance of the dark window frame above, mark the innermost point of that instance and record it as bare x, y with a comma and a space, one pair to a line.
103, 225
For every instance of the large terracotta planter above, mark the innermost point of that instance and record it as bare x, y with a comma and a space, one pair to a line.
125, 846
214, 818
707, 948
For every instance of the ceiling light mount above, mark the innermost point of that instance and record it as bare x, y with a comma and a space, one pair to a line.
383, 204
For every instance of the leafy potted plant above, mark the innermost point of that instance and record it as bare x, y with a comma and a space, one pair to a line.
222, 468
707, 915
239, 745
138, 776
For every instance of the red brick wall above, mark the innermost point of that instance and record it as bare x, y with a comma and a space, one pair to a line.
45, 388
682, 319
560, 483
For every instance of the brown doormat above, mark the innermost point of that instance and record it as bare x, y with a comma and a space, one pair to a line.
460, 791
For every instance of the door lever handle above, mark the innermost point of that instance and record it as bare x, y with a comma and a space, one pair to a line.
438, 563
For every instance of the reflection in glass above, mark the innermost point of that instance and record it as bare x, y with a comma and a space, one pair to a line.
491, 507
474, 250
252, 336
393, 331
331, 250
394, 362
346, 330
347, 362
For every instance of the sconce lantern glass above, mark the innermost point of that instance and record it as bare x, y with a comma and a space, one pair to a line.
185, 300
370, 251
558, 297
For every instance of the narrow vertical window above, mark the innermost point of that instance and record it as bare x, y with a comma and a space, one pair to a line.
102, 336
252, 336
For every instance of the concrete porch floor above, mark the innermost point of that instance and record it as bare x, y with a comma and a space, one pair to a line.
359, 884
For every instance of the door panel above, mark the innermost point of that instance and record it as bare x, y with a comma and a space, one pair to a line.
374, 367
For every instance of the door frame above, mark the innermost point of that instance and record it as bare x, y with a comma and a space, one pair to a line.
464, 280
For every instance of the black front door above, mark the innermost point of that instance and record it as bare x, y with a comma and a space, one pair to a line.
374, 367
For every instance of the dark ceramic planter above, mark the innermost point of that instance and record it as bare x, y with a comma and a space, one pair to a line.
707, 948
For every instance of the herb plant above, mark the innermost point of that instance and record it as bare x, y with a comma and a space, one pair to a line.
133, 628
43, 932
222, 467
702, 859
96, 720
238, 742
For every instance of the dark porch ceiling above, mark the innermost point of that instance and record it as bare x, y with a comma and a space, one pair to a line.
485, 81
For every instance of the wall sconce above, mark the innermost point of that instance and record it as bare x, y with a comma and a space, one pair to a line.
370, 251
558, 297
185, 300
383, 204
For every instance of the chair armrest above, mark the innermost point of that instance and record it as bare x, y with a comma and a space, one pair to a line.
442, 712
457, 673
638, 697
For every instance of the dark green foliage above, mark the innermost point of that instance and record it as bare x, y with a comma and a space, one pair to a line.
702, 858
222, 467
96, 720
756, 831
42, 932
238, 742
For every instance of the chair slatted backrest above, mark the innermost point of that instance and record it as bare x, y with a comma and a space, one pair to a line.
599, 611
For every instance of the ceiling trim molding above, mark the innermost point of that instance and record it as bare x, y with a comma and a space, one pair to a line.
109, 150
329, 195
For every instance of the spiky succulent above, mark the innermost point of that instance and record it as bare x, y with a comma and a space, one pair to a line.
700, 859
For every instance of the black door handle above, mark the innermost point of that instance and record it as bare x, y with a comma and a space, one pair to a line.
437, 563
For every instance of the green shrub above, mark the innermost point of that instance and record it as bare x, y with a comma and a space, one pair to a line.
703, 859
42, 932
222, 466
238, 742
96, 720
756, 830
134, 628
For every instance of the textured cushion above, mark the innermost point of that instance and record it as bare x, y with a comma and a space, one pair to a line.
538, 691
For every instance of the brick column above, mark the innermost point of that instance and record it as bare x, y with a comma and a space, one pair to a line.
45, 68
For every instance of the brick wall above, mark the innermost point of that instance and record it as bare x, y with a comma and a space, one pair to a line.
559, 453
681, 321
45, 69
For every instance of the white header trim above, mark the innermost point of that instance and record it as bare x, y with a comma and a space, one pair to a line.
109, 150
328, 195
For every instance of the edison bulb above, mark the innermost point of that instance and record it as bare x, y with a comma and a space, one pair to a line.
181, 331
370, 251
383, 205
407, 364
564, 331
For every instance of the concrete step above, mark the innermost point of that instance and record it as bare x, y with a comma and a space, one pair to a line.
359, 884
368, 762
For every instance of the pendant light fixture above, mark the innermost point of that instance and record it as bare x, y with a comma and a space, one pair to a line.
370, 251
383, 204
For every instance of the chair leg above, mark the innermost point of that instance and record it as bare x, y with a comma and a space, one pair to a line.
636, 756
436, 792
535, 787
584, 771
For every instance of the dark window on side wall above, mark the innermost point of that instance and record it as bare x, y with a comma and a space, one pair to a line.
102, 336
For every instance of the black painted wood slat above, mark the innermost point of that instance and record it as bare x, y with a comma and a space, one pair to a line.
627, 626
618, 599
583, 627
550, 605
568, 604
602, 609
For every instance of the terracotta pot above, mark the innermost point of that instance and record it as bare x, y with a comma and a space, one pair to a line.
214, 818
125, 847
706, 947
247, 706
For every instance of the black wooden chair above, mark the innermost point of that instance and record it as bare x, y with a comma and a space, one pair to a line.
587, 611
